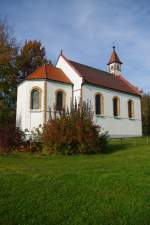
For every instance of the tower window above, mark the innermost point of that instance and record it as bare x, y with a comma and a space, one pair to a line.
35, 99
99, 104
116, 106
130, 109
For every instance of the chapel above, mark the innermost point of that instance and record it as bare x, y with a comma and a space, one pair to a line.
116, 103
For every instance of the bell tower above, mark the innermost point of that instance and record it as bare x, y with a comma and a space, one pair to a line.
114, 64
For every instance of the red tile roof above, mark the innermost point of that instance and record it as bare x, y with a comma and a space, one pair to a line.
49, 72
114, 58
104, 79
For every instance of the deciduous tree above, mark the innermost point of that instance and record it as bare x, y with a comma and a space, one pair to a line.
146, 114
8, 53
32, 55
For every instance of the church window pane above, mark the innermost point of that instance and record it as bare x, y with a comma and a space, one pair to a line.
35, 99
130, 109
59, 101
98, 104
116, 106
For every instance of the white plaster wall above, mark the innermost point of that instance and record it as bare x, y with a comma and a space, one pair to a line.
116, 127
30, 119
72, 75
52, 88
27, 118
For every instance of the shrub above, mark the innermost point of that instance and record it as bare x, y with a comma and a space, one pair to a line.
36, 144
10, 137
73, 132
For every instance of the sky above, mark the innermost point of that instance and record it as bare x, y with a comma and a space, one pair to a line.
86, 30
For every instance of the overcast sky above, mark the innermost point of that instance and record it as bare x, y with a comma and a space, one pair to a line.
86, 31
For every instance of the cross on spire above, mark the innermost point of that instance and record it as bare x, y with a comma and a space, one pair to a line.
114, 47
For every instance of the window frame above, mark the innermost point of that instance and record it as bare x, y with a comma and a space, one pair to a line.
132, 109
118, 107
101, 106
35, 88
63, 99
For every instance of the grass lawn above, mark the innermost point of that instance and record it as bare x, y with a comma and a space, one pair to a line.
110, 189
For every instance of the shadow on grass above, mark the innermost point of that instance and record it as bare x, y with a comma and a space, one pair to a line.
112, 148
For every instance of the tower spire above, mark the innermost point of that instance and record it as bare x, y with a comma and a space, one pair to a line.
114, 63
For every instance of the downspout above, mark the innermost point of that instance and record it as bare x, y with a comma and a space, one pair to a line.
72, 100
141, 114
82, 90
45, 97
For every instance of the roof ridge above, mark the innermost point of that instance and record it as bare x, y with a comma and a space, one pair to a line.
45, 70
47, 65
90, 67
104, 78
33, 71
49, 72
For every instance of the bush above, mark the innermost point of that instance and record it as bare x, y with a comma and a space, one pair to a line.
32, 142
74, 132
37, 144
10, 137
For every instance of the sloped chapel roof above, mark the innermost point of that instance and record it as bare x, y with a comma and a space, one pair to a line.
103, 79
114, 57
49, 72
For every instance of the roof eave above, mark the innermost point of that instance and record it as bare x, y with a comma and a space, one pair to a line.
109, 88
114, 62
48, 79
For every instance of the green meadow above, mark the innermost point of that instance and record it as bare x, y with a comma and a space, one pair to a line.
104, 189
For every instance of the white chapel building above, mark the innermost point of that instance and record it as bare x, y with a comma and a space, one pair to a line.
116, 102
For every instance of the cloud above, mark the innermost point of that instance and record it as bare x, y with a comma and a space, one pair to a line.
86, 30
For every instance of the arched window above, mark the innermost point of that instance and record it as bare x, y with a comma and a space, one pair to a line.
35, 99
60, 100
130, 109
99, 104
116, 106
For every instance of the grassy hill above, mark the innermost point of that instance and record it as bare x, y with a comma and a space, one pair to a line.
110, 189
